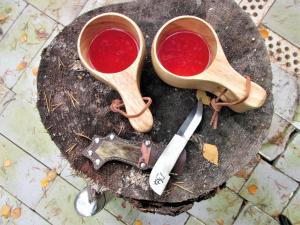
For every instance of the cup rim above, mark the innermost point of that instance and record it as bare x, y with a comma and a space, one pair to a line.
155, 45
141, 42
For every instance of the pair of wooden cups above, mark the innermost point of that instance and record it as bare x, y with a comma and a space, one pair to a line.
219, 75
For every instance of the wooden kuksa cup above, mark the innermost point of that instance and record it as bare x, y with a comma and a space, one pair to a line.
126, 82
219, 74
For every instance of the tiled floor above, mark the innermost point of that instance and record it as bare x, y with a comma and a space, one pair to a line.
256, 195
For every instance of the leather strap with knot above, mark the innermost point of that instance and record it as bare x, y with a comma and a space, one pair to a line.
118, 103
217, 106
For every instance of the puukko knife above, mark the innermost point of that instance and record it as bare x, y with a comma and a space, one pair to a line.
159, 176
140, 155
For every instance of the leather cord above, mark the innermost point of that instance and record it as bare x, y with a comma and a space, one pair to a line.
217, 106
118, 103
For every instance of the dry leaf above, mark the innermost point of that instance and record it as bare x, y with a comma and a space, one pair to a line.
264, 32
16, 213
138, 222
3, 18
252, 189
202, 96
44, 182
7, 163
220, 222
210, 153
51, 175
21, 66
5, 211
23, 38
35, 71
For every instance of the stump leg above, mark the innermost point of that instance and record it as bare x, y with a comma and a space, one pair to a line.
88, 202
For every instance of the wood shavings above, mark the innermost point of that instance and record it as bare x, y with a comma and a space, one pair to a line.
264, 32
21, 66
82, 135
252, 189
35, 71
5, 211
71, 148
3, 19
74, 101
23, 38
7, 163
183, 188
47, 102
138, 222
51, 175
210, 153
44, 183
202, 96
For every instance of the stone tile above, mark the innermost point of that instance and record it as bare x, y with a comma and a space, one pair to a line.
122, 210
58, 207
284, 18
22, 42
62, 11
24, 173
6, 96
257, 9
268, 189
27, 215
26, 86
293, 209
156, 219
251, 215
21, 123
93, 4
289, 162
285, 94
193, 221
296, 120
221, 209
9, 11
69, 175
236, 182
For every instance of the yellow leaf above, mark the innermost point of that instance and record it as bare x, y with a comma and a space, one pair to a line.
16, 213
202, 96
3, 18
252, 189
23, 38
5, 211
35, 71
51, 175
138, 222
7, 163
44, 182
21, 66
264, 32
210, 153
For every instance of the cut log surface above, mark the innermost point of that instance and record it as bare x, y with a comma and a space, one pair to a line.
71, 101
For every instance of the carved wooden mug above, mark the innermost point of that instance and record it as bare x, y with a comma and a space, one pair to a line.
127, 81
218, 75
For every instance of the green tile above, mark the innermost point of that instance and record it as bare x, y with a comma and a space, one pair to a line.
93, 4
156, 219
23, 175
293, 209
21, 123
9, 11
58, 207
284, 19
251, 215
289, 162
28, 217
26, 86
193, 221
22, 42
268, 189
221, 209
6, 96
62, 11
122, 209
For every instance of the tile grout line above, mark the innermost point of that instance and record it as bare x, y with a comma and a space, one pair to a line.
33, 210
13, 23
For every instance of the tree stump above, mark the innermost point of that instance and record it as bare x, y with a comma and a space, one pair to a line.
238, 137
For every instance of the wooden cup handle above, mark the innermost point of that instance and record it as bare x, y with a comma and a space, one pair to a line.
134, 104
235, 83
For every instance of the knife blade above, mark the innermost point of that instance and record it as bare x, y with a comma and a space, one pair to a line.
159, 176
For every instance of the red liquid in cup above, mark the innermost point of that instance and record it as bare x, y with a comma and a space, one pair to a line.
184, 53
113, 50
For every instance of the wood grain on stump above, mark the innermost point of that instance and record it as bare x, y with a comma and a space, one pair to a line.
238, 137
